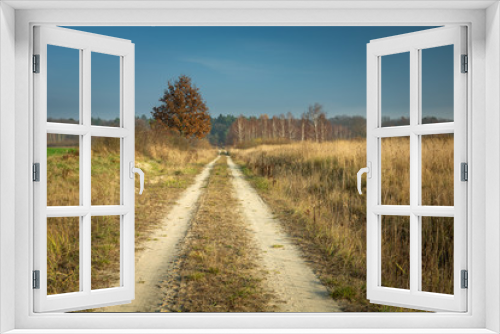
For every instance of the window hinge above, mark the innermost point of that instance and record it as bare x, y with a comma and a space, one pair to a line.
464, 167
36, 63
36, 279
465, 279
465, 64
36, 172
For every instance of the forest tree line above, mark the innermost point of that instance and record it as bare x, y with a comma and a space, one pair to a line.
313, 125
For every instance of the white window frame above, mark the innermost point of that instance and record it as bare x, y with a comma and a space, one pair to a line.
85, 44
482, 19
414, 44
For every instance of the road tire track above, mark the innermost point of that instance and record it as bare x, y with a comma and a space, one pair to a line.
289, 277
155, 263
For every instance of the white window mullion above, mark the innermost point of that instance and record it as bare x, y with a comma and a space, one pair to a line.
422, 211
124, 174
434, 129
86, 158
127, 101
434, 211
82, 222
373, 184
67, 129
414, 172
85, 257
421, 129
106, 131
392, 210
80, 211
392, 131
79, 130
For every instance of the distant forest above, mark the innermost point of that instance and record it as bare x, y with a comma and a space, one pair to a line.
313, 125
288, 128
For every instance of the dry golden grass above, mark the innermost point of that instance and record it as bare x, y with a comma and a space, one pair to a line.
169, 170
218, 269
312, 188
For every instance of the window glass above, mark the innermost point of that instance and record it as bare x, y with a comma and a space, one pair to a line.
105, 171
63, 84
437, 254
395, 89
105, 252
63, 255
437, 170
395, 171
395, 252
63, 170
437, 84
105, 89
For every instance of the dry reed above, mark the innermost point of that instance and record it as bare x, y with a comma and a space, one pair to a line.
312, 188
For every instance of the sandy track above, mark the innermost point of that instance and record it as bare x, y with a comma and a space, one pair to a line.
156, 261
294, 284
289, 276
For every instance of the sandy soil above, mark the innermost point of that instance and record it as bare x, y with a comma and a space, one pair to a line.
289, 276
155, 263
219, 268
291, 280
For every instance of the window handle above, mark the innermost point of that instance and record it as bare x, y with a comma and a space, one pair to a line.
368, 171
134, 170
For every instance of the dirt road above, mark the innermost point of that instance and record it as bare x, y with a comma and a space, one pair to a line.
275, 268
156, 261
289, 276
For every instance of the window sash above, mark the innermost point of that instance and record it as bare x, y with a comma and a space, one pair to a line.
413, 43
86, 297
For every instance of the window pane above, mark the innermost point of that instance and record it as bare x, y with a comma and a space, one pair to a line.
63, 255
105, 90
395, 171
105, 171
63, 170
395, 89
437, 254
63, 84
396, 252
437, 170
105, 252
437, 84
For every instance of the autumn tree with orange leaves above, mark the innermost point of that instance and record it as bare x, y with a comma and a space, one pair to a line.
183, 109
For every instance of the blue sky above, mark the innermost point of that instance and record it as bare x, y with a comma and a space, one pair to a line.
253, 70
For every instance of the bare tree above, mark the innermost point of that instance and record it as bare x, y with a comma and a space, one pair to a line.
263, 125
313, 116
313, 125
325, 128
274, 127
290, 126
303, 124
282, 124
252, 125
237, 130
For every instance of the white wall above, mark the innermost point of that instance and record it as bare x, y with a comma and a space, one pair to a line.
7, 162
492, 165
139, 17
